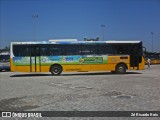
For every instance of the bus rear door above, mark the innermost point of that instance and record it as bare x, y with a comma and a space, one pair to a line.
35, 63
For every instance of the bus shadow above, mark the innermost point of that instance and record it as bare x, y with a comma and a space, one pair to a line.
30, 75
72, 74
100, 73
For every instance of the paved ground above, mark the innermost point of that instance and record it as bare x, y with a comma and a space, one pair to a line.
87, 91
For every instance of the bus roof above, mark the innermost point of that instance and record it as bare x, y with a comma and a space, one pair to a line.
63, 40
74, 41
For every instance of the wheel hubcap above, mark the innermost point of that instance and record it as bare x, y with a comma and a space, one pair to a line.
55, 70
121, 69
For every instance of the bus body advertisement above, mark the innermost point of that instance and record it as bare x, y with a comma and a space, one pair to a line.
55, 57
48, 60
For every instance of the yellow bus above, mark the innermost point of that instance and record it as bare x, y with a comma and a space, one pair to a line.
56, 56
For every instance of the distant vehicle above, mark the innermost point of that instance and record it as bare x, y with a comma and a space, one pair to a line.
56, 56
4, 61
155, 58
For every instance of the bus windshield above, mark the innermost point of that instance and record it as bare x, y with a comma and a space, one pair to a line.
4, 58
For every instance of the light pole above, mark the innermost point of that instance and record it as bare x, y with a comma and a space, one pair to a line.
152, 39
34, 16
103, 26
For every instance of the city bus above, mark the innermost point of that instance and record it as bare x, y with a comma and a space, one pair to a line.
57, 56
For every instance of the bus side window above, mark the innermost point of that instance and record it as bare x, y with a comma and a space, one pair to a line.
62, 50
21, 50
53, 51
93, 49
104, 49
85, 50
57, 50
100, 49
89, 50
72, 49
44, 51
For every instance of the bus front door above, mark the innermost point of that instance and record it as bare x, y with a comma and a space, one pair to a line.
135, 58
35, 65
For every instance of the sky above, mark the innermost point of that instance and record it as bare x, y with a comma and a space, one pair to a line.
76, 19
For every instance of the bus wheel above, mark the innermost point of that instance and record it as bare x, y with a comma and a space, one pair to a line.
56, 69
121, 69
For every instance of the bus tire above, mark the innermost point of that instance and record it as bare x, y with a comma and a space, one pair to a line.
56, 69
121, 69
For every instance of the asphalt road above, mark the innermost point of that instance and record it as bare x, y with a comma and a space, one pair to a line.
81, 91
